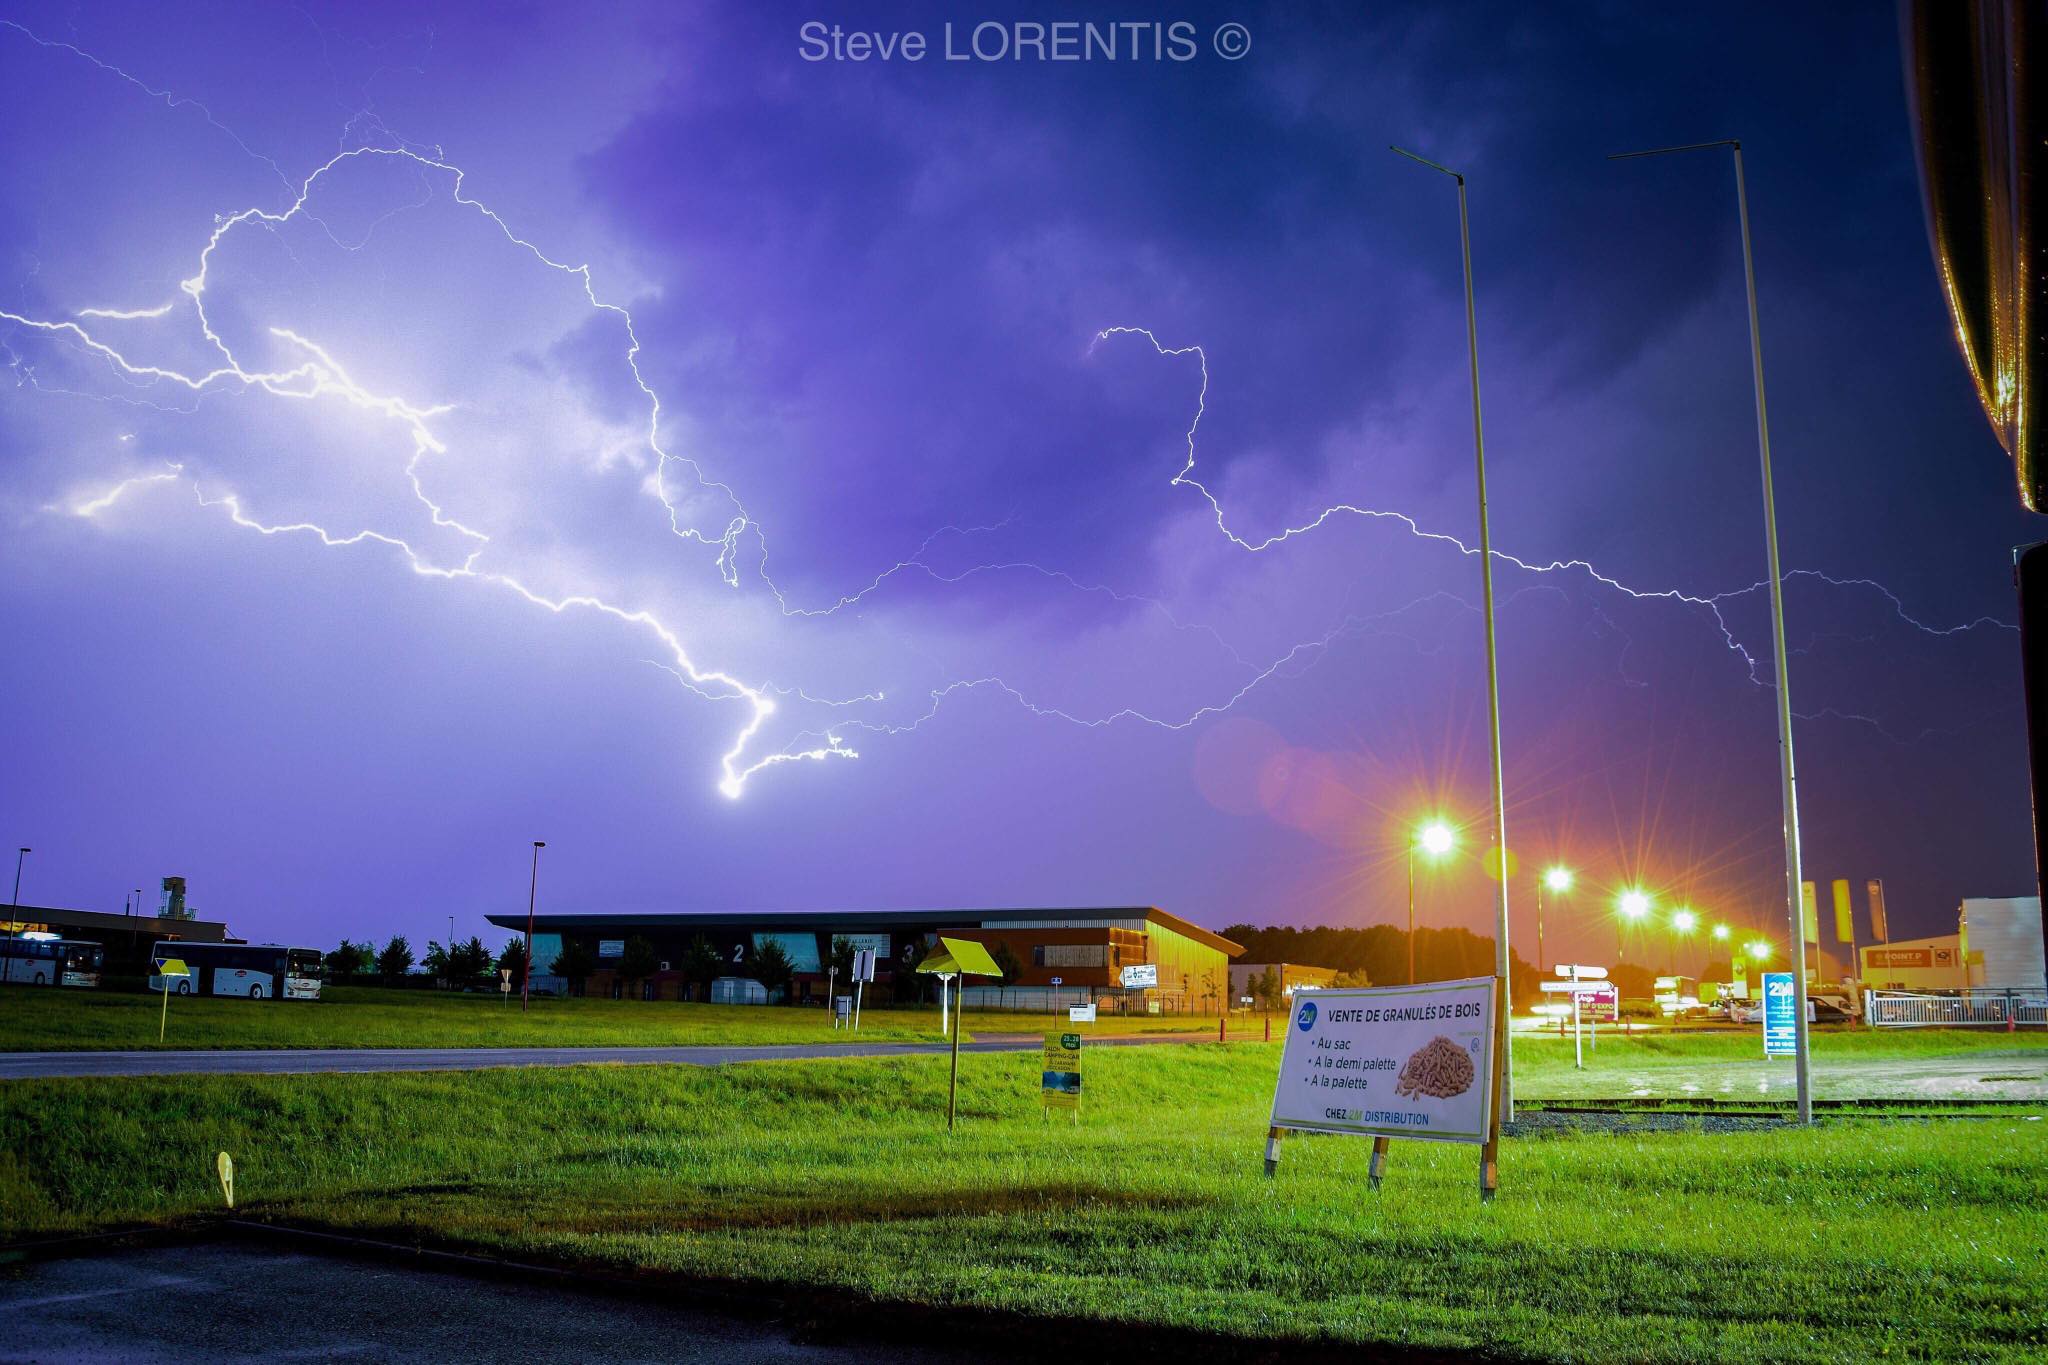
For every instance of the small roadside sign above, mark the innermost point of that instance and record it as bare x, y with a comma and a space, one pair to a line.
1059, 1081
1059, 981
1391, 1061
1780, 1032
166, 968
864, 965
1081, 1014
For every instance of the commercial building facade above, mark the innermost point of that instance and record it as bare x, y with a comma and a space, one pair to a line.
127, 938
1063, 956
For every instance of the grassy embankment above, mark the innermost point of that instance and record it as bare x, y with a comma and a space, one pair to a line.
1924, 1238
362, 1016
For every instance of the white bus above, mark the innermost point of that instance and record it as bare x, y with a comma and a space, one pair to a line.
39, 960
244, 971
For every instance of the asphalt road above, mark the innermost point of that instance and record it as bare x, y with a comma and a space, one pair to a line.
303, 1061
230, 1302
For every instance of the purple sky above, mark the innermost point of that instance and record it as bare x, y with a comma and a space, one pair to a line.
911, 499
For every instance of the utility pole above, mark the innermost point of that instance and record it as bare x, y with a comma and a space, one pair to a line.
532, 885
1794, 916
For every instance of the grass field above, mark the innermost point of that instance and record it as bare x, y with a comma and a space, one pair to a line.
1914, 1238
363, 1016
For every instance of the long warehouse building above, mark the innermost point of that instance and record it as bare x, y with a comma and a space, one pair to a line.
1063, 956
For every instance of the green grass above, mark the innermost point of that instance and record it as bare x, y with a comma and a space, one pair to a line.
1859, 1238
361, 1016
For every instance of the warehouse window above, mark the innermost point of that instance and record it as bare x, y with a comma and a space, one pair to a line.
1070, 955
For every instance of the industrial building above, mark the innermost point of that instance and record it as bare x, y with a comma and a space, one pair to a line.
1063, 956
127, 938
1997, 945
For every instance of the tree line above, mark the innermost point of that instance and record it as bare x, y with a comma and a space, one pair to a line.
1377, 954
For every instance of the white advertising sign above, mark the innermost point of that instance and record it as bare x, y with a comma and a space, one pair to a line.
1390, 1061
611, 947
1135, 978
1080, 1014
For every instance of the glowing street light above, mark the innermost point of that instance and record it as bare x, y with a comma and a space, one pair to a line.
1633, 905
1721, 932
1435, 839
1760, 950
1683, 921
1557, 880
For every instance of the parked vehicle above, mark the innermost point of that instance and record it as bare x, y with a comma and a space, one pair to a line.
247, 971
35, 960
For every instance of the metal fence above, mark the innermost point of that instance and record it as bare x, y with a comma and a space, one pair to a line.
1975, 1007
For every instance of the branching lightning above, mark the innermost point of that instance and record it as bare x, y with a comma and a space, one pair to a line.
315, 375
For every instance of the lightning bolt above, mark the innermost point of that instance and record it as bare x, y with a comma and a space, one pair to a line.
318, 375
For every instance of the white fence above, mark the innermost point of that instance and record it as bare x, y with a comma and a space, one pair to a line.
1976, 1007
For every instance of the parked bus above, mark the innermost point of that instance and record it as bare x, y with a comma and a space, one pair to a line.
40, 961
246, 971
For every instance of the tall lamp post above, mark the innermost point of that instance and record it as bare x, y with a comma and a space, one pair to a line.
1499, 790
15, 903
1435, 839
532, 885
1782, 677
1632, 907
1683, 922
1557, 880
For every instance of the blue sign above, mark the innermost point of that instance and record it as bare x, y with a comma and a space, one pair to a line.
1306, 1019
1780, 1031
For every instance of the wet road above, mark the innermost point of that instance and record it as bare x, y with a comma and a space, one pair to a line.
231, 1302
304, 1061
1989, 1073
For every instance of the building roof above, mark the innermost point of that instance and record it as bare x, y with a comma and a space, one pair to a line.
106, 922
834, 921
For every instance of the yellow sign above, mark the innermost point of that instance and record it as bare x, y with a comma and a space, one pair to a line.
172, 966
225, 1164
1059, 1081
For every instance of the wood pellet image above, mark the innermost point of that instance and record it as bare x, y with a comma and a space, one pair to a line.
1440, 1068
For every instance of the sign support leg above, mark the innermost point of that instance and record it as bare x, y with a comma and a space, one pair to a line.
953, 1077
164, 1017
1272, 1151
1378, 1166
1489, 1154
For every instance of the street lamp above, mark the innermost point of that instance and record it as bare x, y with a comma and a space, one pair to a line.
1683, 921
1633, 905
532, 884
1502, 1038
1782, 676
1557, 880
1435, 839
15, 904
